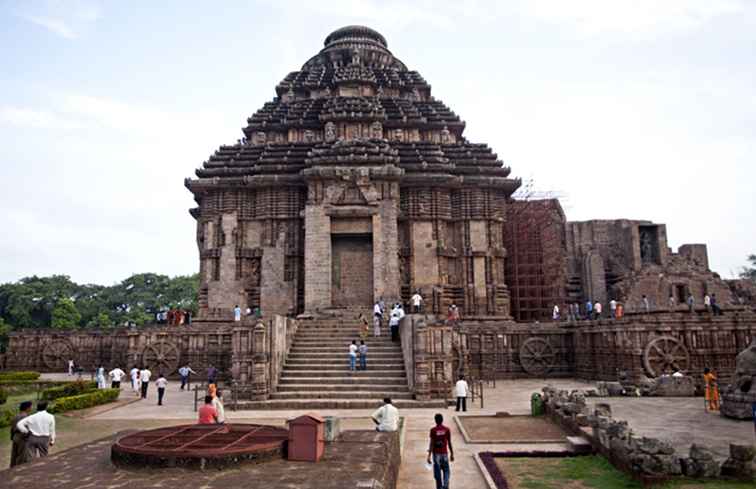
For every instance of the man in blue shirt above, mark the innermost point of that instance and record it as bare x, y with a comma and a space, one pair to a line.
589, 309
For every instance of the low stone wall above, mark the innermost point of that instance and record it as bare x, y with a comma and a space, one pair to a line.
646, 458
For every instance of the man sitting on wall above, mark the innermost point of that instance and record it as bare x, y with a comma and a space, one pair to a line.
386, 417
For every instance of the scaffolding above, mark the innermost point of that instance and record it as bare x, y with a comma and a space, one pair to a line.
536, 265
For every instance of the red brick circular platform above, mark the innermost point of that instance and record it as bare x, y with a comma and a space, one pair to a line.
200, 446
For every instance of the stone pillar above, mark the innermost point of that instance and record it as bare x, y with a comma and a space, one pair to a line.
260, 363
422, 363
386, 252
317, 258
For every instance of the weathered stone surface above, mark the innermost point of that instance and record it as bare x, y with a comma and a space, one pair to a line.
603, 409
669, 386
700, 463
744, 453
739, 397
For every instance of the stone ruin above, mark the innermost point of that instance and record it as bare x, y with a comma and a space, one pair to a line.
739, 397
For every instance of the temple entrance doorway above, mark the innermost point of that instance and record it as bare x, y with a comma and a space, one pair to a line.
352, 270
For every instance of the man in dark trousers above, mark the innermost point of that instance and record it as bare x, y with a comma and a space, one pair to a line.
19, 452
440, 452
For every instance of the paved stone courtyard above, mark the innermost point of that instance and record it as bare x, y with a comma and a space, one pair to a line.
682, 420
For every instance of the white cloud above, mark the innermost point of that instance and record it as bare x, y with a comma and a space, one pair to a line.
36, 119
56, 26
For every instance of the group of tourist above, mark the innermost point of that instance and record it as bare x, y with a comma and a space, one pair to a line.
395, 317
594, 310
255, 312
31, 434
174, 317
212, 411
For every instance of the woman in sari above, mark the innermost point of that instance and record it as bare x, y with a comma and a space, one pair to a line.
712, 391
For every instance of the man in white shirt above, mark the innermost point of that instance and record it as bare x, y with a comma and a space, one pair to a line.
613, 308
134, 374
237, 313
40, 427
460, 391
707, 302
218, 405
144, 379
115, 378
597, 308
417, 302
353, 356
386, 417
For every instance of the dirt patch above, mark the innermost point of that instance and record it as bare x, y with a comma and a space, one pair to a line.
510, 429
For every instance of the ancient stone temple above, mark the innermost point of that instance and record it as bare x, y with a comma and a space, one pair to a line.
352, 184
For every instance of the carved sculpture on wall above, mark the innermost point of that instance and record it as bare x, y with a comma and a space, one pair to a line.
537, 356
260, 137
161, 356
445, 136
57, 353
309, 136
664, 355
398, 134
376, 130
330, 132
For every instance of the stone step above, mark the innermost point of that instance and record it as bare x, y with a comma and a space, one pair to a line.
310, 404
342, 359
343, 338
324, 367
341, 350
342, 373
345, 380
322, 394
333, 387
371, 354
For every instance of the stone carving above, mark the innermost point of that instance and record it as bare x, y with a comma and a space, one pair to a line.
398, 134
260, 137
330, 132
376, 130
445, 136
740, 464
739, 396
665, 355
57, 353
162, 356
309, 136
537, 356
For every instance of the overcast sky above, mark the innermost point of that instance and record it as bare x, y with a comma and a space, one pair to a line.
628, 109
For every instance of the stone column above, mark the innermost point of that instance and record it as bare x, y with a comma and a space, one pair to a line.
385, 252
317, 258
260, 363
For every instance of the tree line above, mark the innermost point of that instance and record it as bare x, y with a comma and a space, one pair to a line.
58, 302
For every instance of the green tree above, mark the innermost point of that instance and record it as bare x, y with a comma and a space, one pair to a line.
5, 329
65, 315
103, 320
749, 271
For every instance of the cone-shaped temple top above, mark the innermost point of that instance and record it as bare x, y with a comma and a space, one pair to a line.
355, 33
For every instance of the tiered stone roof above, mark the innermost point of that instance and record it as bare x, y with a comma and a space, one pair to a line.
353, 103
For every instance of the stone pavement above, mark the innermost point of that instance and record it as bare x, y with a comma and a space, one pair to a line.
682, 420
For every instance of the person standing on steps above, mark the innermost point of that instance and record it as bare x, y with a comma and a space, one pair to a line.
440, 452
352, 356
144, 379
377, 319
394, 324
461, 389
161, 383
417, 302
363, 349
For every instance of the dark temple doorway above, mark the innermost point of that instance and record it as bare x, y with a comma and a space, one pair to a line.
351, 270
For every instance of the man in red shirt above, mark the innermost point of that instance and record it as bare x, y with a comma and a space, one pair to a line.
207, 413
440, 439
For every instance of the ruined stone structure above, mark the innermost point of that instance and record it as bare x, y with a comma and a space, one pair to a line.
353, 183
739, 397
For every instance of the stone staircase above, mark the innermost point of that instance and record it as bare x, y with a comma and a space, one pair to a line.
316, 373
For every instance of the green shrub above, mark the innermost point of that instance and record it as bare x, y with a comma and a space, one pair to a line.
83, 401
3, 396
68, 390
18, 376
6, 416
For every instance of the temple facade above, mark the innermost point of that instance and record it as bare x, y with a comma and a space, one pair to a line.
353, 184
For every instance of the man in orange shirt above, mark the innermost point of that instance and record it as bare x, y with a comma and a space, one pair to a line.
207, 413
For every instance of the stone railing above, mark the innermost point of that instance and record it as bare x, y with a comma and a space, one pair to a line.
282, 331
428, 356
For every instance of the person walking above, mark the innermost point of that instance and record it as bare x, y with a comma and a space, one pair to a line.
613, 309
691, 303
440, 452
19, 452
588, 309
352, 355
646, 304
134, 373
394, 325
220, 410
555, 313
212, 375
363, 349
115, 377
100, 377
184, 373
461, 389
597, 307
40, 428
237, 313
144, 380
417, 302
386, 417
207, 414
71, 367
161, 383
364, 326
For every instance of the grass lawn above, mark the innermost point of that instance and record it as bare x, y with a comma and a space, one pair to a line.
593, 472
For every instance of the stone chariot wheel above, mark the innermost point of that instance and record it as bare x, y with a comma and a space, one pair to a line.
161, 356
57, 353
664, 355
537, 356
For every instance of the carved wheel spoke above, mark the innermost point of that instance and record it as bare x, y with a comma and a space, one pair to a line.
665, 354
162, 356
55, 355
